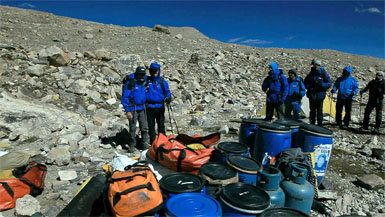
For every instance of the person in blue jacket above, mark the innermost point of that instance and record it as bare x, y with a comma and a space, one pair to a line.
296, 92
133, 101
347, 88
317, 82
158, 93
276, 87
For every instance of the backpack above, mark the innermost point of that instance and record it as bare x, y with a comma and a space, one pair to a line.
134, 191
31, 182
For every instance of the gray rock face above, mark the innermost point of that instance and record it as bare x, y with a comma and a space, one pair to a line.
59, 156
371, 181
27, 206
126, 64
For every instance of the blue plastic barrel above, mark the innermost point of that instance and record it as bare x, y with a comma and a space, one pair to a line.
240, 199
271, 138
193, 204
294, 126
319, 141
177, 183
246, 167
232, 148
247, 132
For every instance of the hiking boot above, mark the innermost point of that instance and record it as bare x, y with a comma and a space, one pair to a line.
363, 129
342, 127
376, 130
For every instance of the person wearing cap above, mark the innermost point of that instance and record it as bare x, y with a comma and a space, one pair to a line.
376, 89
317, 82
158, 93
296, 92
276, 87
133, 101
347, 88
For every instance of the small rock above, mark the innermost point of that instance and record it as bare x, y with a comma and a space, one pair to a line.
224, 129
327, 195
60, 156
160, 28
371, 181
60, 59
372, 69
27, 206
91, 107
178, 36
89, 54
89, 36
378, 153
35, 70
111, 101
67, 175
103, 54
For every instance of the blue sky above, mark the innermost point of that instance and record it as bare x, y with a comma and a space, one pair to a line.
350, 26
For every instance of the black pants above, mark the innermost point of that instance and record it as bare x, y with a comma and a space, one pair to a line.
316, 110
155, 115
270, 107
369, 108
347, 103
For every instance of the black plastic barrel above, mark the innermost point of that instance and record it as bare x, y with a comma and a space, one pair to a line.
241, 199
232, 148
282, 212
178, 183
246, 167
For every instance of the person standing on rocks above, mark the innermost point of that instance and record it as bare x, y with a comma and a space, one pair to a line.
158, 93
276, 87
134, 100
347, 87
296, 92
376, 89
317, 82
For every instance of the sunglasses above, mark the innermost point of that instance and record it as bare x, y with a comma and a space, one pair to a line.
153, 70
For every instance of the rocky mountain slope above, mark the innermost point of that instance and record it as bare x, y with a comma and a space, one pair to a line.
61, 86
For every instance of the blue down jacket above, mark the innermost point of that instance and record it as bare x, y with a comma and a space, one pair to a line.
134, 99
155, 96
317, 83
347, 86
276, 85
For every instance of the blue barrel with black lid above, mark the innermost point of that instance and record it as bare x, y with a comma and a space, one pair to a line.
177, 183
282, 212
318, 141
241, 199
193, 204
271, 138
232, 148
216, 175
247, 132
246, 167
294, 126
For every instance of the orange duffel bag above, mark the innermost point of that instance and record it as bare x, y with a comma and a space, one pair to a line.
176, 155
134, 191
31, 182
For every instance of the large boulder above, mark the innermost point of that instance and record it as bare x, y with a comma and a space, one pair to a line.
162, 29
126, 64
55, 56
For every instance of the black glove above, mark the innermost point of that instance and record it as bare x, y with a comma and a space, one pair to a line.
167, 99
298, 96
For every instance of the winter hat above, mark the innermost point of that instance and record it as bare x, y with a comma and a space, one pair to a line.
140, 70
316, 62
380, 73
348, 69
293, 71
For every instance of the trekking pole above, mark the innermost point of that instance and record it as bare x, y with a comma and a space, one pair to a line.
360, 108
330, 110
169, 116
173, 117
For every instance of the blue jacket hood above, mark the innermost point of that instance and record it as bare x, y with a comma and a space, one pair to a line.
275, 71
348, 69
157, 66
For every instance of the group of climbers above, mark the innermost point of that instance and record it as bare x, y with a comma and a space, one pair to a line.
289, 93
144, 98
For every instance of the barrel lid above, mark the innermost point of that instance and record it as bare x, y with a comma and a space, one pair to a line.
317, 129
217, 171
244, 163
253, 121
177, 183
292, 124
282, 212
193, 204
245, 196
273, 126
232, 147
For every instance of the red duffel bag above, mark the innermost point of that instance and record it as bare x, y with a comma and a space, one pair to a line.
176, 155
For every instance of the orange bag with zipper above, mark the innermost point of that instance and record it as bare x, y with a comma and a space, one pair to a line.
134, 191
174, 152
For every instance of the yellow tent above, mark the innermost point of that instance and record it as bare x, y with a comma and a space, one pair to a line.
329, 108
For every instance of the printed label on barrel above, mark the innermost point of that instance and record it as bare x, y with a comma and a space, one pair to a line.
321, 156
